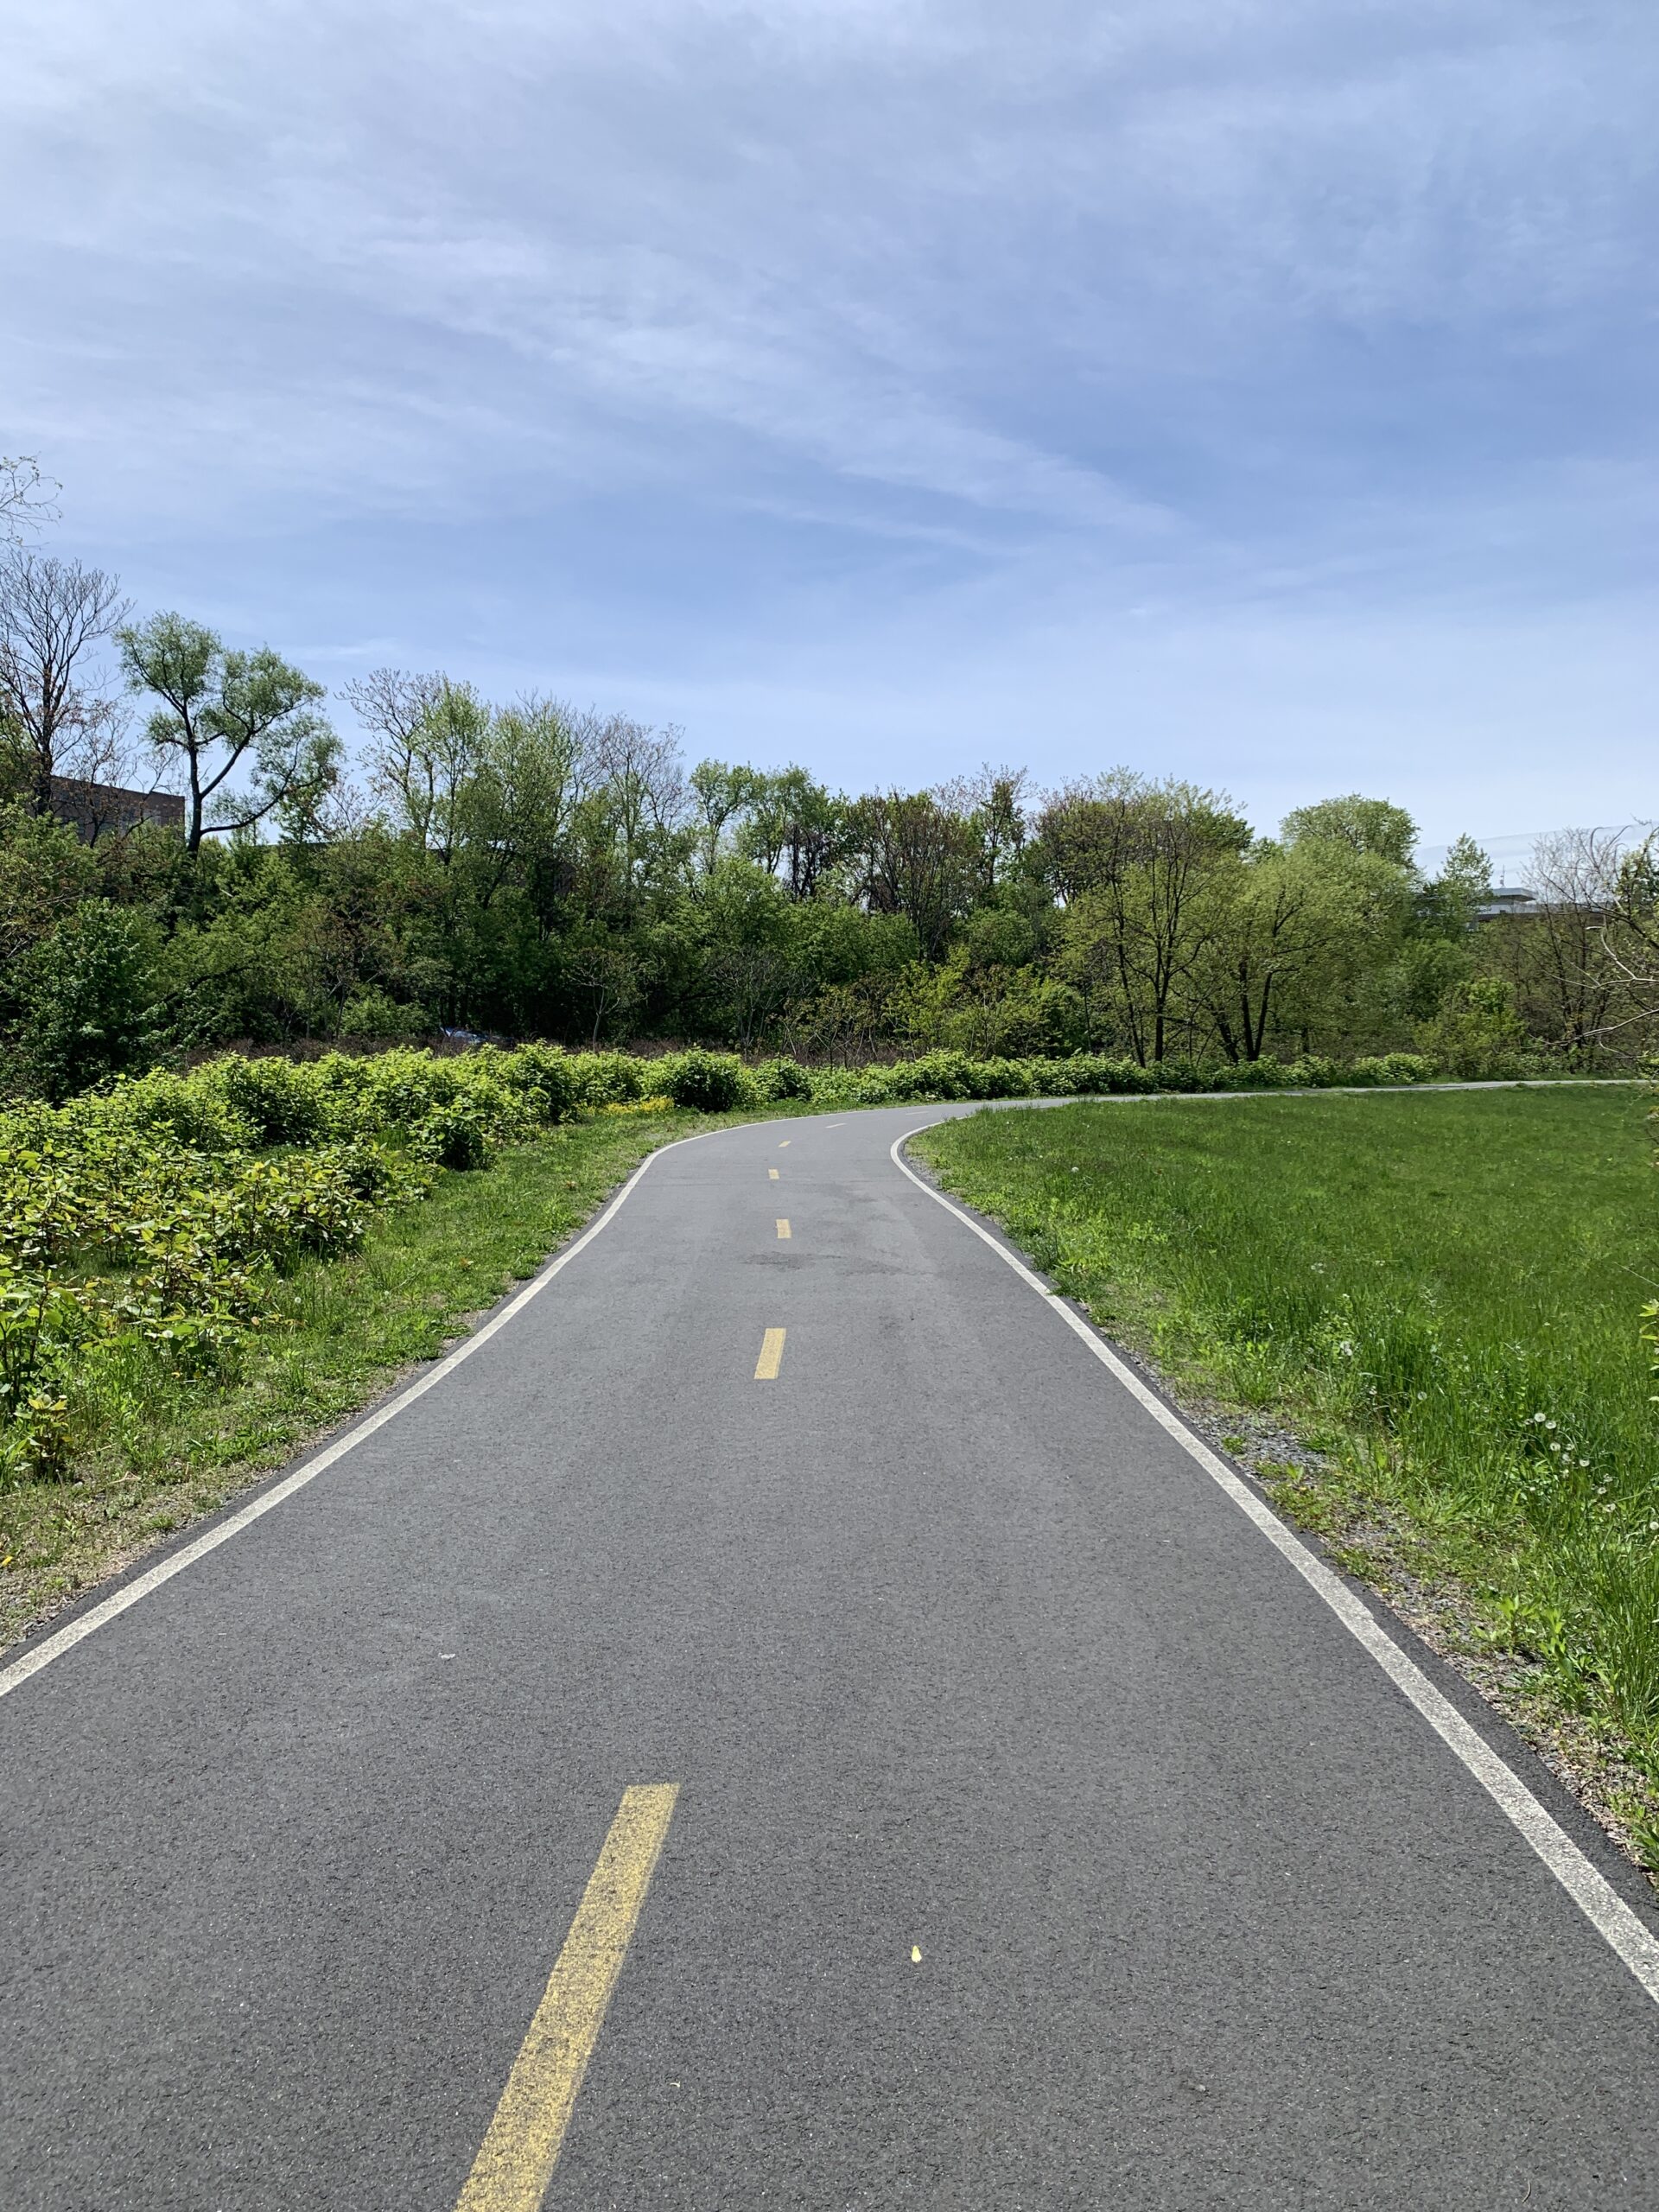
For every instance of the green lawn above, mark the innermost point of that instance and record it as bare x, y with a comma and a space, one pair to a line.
1440, 1292
155, 1450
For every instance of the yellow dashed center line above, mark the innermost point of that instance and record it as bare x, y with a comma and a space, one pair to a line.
784, 1147
782, 1228
772, 1356
515, 2161
773, 1171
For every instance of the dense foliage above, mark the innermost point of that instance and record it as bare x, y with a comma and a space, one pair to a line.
528, 871
152, 1211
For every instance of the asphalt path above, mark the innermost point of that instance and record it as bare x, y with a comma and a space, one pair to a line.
1043, 1836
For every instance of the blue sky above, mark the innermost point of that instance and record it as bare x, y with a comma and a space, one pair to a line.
1257, 390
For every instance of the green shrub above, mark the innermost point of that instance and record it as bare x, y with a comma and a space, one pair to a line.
709, 1082
781, 1078
377, 1176
380, 1093
87, 990
1393, 1067
1095, 1074
114, 1227
1178, 1073
545, 1077
942, 1074
1003, 1078
453, 1136
1265, 1074
283, 1103
1314, 1073
613, 1079
1476, 1035
374, 1012
191, 1109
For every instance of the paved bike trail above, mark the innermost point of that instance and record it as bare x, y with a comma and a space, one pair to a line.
952, 1650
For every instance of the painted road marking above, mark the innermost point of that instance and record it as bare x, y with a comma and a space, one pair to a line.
1589, 1889
772, 1355
773, 1171
784, 1147
517, 2157
783, 1227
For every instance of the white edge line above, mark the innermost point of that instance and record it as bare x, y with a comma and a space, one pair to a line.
1591, 1892
53, 1646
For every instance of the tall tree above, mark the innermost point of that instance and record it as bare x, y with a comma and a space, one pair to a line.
1130, 858
429, 736
720, 794
1563, 958
1289, 932
396, 709
914, 856
1365, 825
636, 777
222, 708
527, 784
795, 826
995, 802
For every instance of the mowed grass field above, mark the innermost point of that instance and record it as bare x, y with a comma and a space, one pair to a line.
1440, 1292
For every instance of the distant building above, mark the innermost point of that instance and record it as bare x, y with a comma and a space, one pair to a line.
95, 811
1503, 899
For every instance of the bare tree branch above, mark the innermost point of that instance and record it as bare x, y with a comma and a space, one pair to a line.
53, 613
27, 498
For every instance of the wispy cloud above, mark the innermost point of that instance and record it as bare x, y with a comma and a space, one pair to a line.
716, 328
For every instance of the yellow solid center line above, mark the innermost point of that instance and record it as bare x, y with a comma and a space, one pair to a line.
516, 2162
772, 1356
782, 1228
773, 1171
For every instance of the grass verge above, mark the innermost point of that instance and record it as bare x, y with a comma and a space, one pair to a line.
1416, 1317
155, 1450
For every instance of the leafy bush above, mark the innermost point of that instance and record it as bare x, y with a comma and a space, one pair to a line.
611, 1078
1477, 1034
1314, 1073
1394, 1067
709, 1082
942, 1074
1265, 1074
453, 1136
1089, 1073
112, 1228
546, 1078
781, 1078
186, 1110
281, 1103
396, 1090
374, 1012
88, 991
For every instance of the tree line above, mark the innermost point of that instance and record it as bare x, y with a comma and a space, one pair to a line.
528, 869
